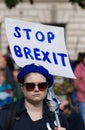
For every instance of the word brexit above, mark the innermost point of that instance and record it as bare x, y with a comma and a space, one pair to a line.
40, 55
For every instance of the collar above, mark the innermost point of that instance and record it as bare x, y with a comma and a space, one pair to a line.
46, 110
21, 108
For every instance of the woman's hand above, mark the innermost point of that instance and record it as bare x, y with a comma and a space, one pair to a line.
61, 128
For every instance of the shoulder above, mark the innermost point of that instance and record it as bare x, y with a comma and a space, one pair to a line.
3, 116
5, 112
5, 109
76, 116
9, 86
78, 66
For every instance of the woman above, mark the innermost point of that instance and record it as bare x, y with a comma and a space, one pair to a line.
80, 85
6, 92
32, 111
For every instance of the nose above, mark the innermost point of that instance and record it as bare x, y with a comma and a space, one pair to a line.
36, 88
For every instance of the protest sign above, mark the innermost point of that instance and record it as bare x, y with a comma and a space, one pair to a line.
41, 44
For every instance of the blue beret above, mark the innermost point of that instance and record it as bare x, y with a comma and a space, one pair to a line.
35, 68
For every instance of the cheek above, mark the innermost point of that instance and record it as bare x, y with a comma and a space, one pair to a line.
44, 93
26, 93
29, 95
2, 79
24, 90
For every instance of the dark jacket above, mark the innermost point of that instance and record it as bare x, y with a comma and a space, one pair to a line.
75, 121
24, 122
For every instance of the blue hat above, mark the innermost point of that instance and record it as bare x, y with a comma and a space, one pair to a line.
35, 68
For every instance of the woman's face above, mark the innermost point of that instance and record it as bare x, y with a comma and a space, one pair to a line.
2, 62
35, 95
2, 79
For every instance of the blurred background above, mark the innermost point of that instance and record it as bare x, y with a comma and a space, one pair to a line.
64, 13
69, 14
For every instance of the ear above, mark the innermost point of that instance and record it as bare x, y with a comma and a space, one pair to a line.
22, 88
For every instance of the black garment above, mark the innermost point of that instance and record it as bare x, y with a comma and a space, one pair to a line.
17, 90
24, 122
75, 121
10, 61
9, 76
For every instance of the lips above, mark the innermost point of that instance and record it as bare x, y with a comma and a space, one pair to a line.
36, 95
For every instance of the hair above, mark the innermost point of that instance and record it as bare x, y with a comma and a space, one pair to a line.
8, 49
2, 73
83, 56
67, 106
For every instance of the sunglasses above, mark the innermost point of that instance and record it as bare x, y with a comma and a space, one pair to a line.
31, 86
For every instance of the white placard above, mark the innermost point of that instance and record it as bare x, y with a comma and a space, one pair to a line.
41, 44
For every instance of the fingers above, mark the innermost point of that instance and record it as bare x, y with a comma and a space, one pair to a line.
59, 128
55, 128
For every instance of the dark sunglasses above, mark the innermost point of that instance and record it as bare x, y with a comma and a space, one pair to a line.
31, 86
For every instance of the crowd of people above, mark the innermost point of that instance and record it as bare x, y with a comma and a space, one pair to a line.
77, 96
74, 118
79, 83
10, 90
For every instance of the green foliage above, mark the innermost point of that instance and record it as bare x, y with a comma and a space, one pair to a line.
11, 3
81, 3
64, 88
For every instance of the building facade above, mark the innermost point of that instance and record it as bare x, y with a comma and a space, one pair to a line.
72, 17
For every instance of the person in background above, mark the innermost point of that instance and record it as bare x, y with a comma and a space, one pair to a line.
32, 111
74, 118
17, 88
79, 58
80, 85
9, 59
7, 71
6, 93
